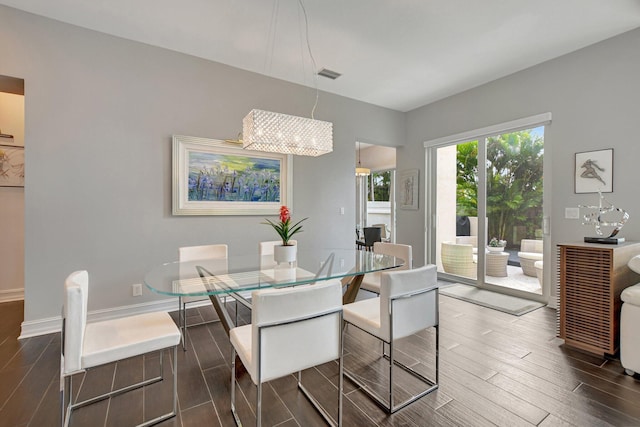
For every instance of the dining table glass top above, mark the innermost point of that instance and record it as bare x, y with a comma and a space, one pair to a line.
248, 272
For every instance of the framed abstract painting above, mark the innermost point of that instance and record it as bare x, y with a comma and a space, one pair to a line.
213, 177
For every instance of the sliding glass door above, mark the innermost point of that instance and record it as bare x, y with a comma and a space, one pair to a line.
486, 210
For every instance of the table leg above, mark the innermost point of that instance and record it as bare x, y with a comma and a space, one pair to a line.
222, 312
352, 288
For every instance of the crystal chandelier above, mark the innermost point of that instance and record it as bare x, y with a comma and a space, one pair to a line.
282, 133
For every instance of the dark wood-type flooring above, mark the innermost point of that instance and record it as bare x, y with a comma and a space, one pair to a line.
496, 369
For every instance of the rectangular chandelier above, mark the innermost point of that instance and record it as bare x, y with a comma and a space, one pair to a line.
282, 133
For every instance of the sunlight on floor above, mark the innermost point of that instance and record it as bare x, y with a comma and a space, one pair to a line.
516, 279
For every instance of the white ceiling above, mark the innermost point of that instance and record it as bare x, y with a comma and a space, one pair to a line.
399, 54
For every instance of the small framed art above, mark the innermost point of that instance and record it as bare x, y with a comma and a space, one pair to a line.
408, 189
594, 171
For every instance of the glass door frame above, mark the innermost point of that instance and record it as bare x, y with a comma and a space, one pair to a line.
431, 189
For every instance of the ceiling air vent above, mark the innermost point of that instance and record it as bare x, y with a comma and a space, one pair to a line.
329, 74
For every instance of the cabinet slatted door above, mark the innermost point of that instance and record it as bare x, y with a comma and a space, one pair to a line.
592, 276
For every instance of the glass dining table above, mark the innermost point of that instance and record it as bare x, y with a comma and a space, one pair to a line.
238, 275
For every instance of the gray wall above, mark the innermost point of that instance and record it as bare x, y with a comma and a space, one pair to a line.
99, 115
100, 112
593, 95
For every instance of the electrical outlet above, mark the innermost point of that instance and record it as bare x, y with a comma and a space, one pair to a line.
572, 213
136, 289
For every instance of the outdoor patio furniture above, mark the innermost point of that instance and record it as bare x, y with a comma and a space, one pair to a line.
538, 265
497, 263
458, 259
530, 252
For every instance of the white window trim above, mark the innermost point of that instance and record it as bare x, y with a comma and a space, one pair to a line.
500, 128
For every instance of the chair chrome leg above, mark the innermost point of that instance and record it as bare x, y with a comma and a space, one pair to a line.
236, 418
389, 404
182, 322
66, 393
340, 379
259, 405
67, 389
391, 354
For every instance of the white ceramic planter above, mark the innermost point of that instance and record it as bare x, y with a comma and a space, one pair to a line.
495, 249
285, 253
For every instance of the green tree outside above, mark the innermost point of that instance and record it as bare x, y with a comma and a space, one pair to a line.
514, 184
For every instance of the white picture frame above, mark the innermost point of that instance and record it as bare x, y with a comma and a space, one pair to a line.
408, 186
594, 171
11, 166
240, 182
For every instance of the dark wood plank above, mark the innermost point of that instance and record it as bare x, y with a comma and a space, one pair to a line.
22, 404
495, 369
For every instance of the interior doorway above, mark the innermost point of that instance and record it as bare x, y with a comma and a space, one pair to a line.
11, 189
375, 194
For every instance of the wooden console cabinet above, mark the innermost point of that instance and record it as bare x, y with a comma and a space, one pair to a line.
591, 278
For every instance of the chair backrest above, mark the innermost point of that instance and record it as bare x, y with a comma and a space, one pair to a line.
74, 312
287, 332
397, 250
196, 253
467, 240
408, 300
266, 250
372, 235
531, 245
383, 230
458, 259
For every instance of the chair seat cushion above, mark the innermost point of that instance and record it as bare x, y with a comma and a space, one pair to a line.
365, 313
530, 255
111, 340
631, 295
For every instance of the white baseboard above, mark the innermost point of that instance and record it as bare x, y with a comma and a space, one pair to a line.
53, 324
8, 295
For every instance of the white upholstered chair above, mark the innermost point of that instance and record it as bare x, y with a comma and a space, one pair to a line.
408, 304
458, 259
88, 345
371, 281
530, 252
629, 321
291, 329
196, 253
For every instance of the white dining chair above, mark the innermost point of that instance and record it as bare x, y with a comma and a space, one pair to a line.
89, 345
371, 281
291, 329
408, 304
196, 253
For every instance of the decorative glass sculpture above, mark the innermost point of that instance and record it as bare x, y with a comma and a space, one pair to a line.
597, 218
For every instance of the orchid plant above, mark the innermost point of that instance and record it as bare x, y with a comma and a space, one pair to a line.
284, 228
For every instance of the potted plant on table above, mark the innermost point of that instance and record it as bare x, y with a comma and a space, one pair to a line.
496, 245
285, 252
